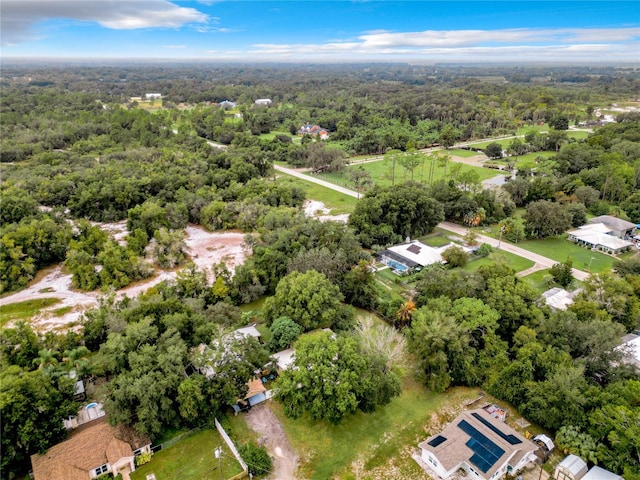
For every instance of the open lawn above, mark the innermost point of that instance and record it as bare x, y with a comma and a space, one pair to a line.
192, 458
504, 142
439, 238
537, 280
577, 134
24, 310
514, 261
381, 173
459, 152
272, 135
377, 443
336, 201
537, 128
559, 249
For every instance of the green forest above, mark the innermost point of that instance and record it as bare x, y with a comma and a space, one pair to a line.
80, 147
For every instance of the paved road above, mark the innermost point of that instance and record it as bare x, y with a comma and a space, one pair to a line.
451, 227
309, 178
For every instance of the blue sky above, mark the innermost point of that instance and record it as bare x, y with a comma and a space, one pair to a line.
324, 31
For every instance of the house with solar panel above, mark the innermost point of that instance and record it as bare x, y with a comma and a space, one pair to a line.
479, 444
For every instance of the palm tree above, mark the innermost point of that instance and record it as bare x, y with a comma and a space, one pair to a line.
77, 359
46, 359
404, 313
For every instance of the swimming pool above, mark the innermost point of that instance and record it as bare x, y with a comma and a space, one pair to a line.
397, 266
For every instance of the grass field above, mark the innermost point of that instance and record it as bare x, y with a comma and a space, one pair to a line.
559, 249
377, 442
459, 152
336, 201
514, 261
24, 310
192, 458
381, 173
272, 135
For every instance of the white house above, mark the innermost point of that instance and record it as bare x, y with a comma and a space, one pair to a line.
412, 255
599, 236
617, 227
263, 101
481, 445
558, 298
153, 96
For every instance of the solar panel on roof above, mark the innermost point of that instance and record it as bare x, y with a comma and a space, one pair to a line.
512, 439
414, 249
437, 441
485, 452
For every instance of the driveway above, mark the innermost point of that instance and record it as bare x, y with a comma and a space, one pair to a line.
451, 227
271, 434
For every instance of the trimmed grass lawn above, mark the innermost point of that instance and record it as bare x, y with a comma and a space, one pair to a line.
336, 201
577, 134
381, 173
559, 249
437, 239
527, 128
504, 142
192, 458
514, 261
459, 152
537, 281
24, 310
378, 442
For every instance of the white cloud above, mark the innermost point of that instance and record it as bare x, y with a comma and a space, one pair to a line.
19, 16
521, 44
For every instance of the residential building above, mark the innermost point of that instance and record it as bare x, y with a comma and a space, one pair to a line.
313, 130
263, 101
412, 255
631, 347
479, 444
93, 450
227, 104
599, 236
153, 96
558, 298
617, 227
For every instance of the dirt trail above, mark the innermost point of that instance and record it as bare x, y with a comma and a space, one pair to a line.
285, 461
205, 248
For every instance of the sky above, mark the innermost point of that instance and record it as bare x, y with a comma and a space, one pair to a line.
313, 31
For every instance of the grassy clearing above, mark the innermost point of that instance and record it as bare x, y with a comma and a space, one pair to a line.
24, 310
381, 173
537, 280
577, 134
374, 443
437, 239
458, 152
272, 135
504, 142
559, 249
528, 128
338, 202
191, 458
514, 261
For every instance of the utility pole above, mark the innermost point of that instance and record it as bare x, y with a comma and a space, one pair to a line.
218, 454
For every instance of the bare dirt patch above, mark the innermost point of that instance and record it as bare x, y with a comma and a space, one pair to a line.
316, 209
205, 248
272, 436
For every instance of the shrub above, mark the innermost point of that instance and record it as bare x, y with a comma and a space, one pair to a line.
256, 457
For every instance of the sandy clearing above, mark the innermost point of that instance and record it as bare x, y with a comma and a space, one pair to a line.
205, 248
317, 209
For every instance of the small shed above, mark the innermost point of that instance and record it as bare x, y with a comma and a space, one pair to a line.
257, 392
571, 468
599, 473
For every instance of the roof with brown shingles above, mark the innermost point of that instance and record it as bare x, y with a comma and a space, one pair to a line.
96, 445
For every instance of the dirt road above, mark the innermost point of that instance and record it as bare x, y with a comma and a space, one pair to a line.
285, 461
